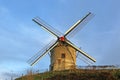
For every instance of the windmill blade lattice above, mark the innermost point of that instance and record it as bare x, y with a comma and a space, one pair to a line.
79, 25
82, 52
47, 27
83, 58
42, 52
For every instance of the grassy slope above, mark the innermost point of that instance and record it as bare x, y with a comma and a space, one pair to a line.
81, 74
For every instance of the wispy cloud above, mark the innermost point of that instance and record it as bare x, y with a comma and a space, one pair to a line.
8, 75
3, 11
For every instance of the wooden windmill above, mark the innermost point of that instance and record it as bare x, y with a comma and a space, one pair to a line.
62, 51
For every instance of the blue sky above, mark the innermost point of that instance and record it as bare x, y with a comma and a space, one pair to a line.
21, 38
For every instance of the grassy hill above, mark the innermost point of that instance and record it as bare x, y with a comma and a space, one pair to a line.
78, 74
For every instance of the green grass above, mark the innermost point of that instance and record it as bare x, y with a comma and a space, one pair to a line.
78, 74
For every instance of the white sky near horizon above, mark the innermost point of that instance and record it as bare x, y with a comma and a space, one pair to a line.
21, 38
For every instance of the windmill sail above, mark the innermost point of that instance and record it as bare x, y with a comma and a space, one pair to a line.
47, 27
42, 52
83, 58
78, 25
82, 52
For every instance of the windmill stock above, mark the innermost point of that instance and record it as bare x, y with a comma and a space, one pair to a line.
62, 51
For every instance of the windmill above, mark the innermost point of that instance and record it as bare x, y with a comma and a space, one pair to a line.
62, 51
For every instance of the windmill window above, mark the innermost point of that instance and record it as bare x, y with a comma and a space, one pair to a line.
62, 55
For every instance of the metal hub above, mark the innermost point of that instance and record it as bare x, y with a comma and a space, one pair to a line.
62, 38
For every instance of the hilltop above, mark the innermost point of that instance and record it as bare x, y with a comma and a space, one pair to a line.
77, 74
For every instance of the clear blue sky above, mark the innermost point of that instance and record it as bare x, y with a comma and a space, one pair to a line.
21, 38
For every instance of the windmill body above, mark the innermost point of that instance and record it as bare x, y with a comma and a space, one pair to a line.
62, 51
63, 57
